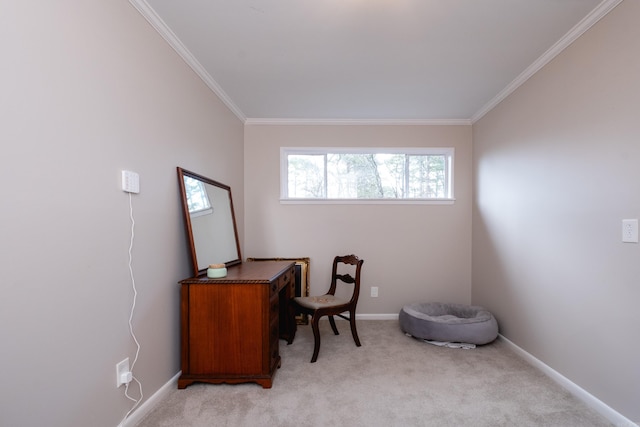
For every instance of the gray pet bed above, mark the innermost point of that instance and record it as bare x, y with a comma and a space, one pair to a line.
435, 321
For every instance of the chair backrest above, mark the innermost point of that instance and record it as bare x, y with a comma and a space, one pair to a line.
354, 278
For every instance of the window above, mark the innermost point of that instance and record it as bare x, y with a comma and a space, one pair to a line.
197, 197
366, 174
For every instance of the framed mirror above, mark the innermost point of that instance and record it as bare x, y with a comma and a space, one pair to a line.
210, 221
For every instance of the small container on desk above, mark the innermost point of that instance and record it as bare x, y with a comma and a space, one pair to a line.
216, 271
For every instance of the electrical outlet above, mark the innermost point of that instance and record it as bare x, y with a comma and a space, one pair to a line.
630, 230
374, 291
130, 182
123, 374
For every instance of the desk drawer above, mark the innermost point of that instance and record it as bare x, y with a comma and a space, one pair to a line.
286, 279
274, 307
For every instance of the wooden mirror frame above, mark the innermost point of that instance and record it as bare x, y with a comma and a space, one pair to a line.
199, 270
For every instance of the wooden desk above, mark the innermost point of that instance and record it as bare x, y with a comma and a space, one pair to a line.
230, 327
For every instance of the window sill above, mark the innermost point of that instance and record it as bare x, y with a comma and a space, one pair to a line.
367, 201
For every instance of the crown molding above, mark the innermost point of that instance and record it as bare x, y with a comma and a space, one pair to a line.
161, 27
334, 122
592, 18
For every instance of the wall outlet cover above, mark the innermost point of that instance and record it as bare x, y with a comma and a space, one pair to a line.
630, 230
122, 369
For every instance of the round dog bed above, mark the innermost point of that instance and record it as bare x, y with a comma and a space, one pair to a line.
449, 323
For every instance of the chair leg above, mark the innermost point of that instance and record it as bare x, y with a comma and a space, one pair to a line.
316, 338
354, 332
333, 325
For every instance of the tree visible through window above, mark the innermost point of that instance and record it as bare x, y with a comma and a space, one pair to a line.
418, 174
197, 197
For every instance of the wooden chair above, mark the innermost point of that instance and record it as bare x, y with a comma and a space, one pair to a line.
331, 305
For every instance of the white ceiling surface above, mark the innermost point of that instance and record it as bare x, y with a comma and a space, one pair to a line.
368, 60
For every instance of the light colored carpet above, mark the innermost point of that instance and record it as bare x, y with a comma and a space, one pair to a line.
392, 380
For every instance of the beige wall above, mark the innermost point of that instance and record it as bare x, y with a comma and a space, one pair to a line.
556, 170
411, 252
88, 89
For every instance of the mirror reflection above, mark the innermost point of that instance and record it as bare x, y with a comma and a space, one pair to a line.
209, 220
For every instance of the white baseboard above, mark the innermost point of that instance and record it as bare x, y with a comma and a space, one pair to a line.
153, 400
365, 317
590, 400
391, 316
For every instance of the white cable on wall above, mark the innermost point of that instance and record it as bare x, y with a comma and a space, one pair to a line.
133, 306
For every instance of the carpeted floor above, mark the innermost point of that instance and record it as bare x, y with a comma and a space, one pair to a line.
392, 380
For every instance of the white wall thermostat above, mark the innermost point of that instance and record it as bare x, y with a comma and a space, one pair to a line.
130, 182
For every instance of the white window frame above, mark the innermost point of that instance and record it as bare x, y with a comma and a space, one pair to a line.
286, 151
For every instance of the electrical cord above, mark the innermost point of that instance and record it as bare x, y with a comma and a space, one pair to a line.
133, 306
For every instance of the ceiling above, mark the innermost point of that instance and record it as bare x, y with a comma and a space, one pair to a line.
368, 60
